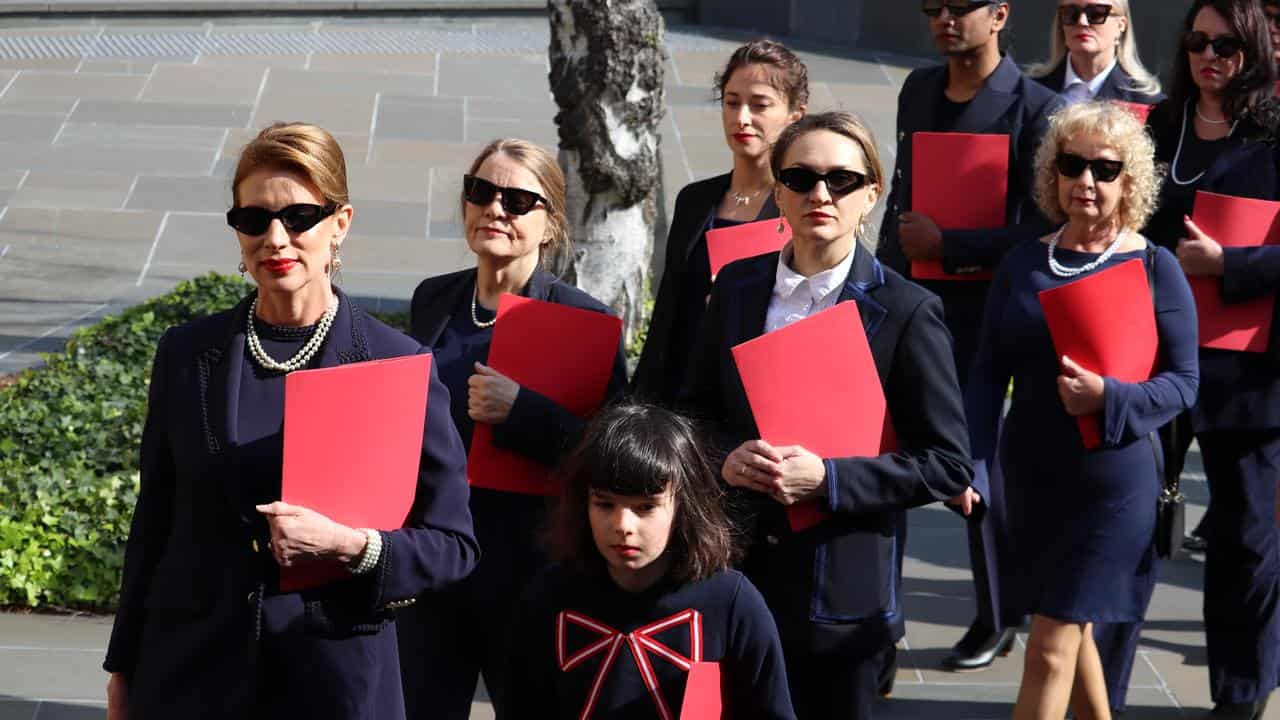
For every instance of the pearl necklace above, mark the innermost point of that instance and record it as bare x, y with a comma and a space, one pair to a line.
475, 318
1182, 136
1066, 272
1200, 115
308, 351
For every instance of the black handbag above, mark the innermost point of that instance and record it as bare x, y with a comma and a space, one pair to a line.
1171, 509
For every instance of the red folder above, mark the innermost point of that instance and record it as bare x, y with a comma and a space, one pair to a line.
703, 693
814, 384
561, 352
1105, 323
1234, 222
724, 245
961, 182
1139, 110
352, 443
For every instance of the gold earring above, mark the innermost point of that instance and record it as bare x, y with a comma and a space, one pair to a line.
782, 227
243, 269
336, 263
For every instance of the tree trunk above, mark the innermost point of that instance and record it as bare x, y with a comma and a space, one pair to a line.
606, 74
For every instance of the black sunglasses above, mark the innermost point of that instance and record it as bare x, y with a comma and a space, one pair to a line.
933, 8
1072, 166
839, 182
479, 191
1095, 13
297, 218
1224, 46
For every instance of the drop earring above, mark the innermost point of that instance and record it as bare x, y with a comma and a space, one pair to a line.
243, 269
782, 226
335, 264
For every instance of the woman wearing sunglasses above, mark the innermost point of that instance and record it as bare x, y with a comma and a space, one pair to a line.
1082, 522
833, 588
763, 88
203, 629
513, 208
1093, 55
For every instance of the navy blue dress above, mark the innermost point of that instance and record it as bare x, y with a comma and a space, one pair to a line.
1082, 523
732, 627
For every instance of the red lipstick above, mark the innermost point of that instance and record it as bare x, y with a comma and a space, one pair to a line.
279, 265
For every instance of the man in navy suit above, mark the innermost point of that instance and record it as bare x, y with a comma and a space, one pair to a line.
978, 90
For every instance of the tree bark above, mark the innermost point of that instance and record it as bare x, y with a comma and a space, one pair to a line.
607, 60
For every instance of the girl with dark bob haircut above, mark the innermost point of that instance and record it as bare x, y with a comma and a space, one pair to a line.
644, 553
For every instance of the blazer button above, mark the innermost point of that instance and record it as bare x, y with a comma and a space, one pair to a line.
899, 171
255, 546
771, 539
250, 598
901, 136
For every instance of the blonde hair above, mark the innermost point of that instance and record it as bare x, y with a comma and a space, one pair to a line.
1123, 133
549, 175
1141, 79
308, 150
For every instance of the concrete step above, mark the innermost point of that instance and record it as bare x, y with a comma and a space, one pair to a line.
171, 7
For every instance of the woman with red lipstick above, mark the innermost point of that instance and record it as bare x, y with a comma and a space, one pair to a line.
763, 88
204, 630
1094, 55
643, 587
1082, 523
513, 209
835, 588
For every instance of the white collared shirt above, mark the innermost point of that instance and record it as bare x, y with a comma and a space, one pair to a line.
796, 297
1094, 85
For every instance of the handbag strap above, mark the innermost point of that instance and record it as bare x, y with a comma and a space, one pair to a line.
1170, 483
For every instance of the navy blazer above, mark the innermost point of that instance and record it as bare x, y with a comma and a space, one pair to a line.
1241, 390
537, 427
1117, 86
197, 557
665, 358
1010, 103
836, 587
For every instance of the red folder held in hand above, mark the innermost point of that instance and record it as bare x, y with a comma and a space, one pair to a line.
352, 444
1139, 110
961, 182
1234, 222
815, 384
724, 245
563, 353
703, 693
1106, 324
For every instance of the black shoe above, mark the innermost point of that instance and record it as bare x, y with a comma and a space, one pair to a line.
962, 660
888, 671
1238, 711
1195, 544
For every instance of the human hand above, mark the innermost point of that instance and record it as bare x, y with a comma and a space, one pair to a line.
966, 501
490, 395
920, 237
803, 475
117, 697
754, 464
1081, 391
1199, 254
299, 533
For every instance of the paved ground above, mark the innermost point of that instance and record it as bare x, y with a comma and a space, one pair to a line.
116, 141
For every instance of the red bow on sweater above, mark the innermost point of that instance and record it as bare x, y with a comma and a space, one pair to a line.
641, 642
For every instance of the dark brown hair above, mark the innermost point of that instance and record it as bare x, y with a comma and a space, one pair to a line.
308, 150
787, 74
641, 451
1250, 92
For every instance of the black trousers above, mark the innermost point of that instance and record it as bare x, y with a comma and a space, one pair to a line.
834, 688
1242, 564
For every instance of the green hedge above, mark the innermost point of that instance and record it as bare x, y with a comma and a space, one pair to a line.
69, 434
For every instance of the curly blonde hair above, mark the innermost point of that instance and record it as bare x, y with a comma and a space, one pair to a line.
1123, 133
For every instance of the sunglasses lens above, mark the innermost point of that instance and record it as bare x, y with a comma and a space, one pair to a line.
1106, 170
1071, 166
1097, 14
798, 180
1071, 15
843, 182
517, 201
478, 191
249, 220
1196, 42
301, 218
1226, 47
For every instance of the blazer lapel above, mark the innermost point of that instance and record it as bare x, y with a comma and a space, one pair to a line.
865, 277
219, 369
347, 342
749, 301
715, 189
440, 313
992, 101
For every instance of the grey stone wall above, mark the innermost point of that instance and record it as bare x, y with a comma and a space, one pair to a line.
897, 26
